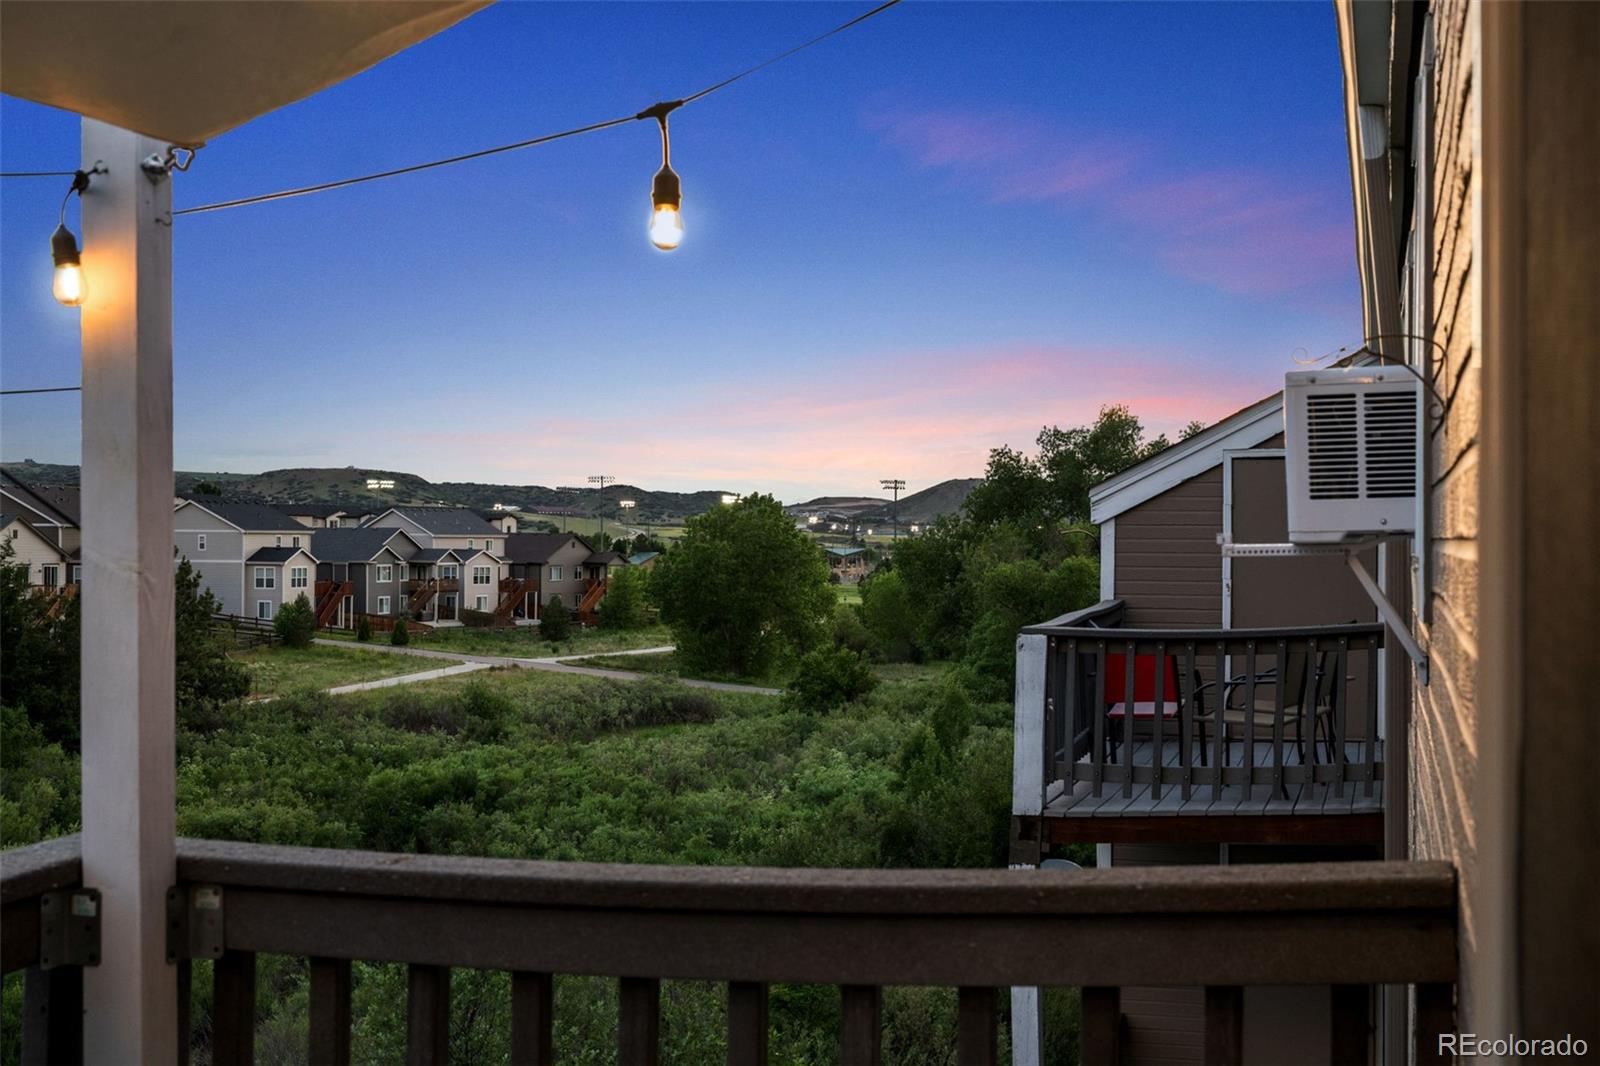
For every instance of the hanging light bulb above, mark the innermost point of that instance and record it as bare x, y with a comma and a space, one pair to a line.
666, 191
68, 286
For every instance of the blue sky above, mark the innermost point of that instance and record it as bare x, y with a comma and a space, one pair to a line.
923, 238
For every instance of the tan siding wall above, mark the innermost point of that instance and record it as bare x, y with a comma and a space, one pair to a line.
1444, 756
1168, 568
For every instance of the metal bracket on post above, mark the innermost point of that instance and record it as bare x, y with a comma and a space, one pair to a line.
194, 922
69, 928
1351, 550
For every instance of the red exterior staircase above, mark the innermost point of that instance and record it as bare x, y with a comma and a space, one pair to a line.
512, 592
588, 607
329, 595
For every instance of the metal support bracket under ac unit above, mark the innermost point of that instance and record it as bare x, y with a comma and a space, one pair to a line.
1351, 550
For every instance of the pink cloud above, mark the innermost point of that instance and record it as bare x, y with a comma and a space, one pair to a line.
839, 426
1245, 231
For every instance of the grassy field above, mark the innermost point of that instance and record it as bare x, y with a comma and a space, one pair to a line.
848, 593
666, 665
522, 642
280, 671
589, 528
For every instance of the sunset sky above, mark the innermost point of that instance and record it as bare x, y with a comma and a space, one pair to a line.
921, 239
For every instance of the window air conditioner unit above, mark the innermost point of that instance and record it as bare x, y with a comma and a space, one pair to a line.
1353, 452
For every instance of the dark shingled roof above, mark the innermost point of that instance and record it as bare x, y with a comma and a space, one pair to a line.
311, 510
535, 547
432, 555
251, 517
34, 499
63, 498
448, 521
273, 555
599, 558
352, 545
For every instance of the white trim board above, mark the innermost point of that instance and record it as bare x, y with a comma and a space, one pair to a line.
1259, 422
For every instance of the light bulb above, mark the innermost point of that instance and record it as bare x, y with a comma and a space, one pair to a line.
666, 227
666, 220
68, 285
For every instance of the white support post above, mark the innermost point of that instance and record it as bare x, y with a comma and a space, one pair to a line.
1028, 786
1028, 756
130, 999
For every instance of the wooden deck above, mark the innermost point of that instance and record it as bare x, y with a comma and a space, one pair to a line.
1305, 812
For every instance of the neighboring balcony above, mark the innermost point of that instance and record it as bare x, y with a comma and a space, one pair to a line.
1351, 926
1247, 735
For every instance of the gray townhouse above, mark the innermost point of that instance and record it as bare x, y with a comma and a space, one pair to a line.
546, 565
374, 570
252, 557
476, 544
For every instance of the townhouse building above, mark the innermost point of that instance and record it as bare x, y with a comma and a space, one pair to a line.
252, 557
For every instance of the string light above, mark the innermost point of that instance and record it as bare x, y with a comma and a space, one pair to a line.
69, 286
666, 192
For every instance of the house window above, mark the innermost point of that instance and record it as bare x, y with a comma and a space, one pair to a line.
385, 572
333, 523
294, 542
481, 576
383, 605
405, 603
266, 577
264, 610
277, 542
481, 603
200, 542
77, 574
52, 574
298, 577
555, 573
448, 572
488, 545
471, 543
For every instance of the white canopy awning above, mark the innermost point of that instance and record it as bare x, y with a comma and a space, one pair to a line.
186, 72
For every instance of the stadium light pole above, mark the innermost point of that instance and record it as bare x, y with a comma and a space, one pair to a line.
626, 505
602, 480
895, 485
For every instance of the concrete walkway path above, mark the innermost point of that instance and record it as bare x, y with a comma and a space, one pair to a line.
408, 679
662, 650
555, 666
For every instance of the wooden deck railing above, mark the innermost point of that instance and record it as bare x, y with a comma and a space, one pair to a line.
1347, 925
1257, 710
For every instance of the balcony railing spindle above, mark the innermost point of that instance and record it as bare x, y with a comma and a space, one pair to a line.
428, 1015
532, 1018
638, 1021
860, 1025
330, 1011
747, 1023
1127, 717
233, 1009
977, 1027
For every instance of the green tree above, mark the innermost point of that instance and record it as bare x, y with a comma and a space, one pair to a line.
555, 621
743, 590
400, 635
38, 652
625, 601
931, 567
296, 623
889, 616
206, 677
363, 629
207, 488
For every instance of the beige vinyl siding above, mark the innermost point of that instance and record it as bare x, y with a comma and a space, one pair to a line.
1168, 568
36, 552
1444, 717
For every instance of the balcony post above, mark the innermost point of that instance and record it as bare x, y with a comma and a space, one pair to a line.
130, 999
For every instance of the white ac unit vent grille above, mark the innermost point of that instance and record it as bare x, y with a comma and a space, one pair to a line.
1351, 437
1333, 450
1391, 437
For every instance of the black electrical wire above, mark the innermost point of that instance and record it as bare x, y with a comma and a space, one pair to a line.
38, 174
29, 392
657, 111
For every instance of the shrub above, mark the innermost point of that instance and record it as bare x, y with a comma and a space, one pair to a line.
399, 636
555, 623
363, 628
477, 619
296, 623
829, 678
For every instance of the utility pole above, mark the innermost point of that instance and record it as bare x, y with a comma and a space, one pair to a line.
602, 480
895, 485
